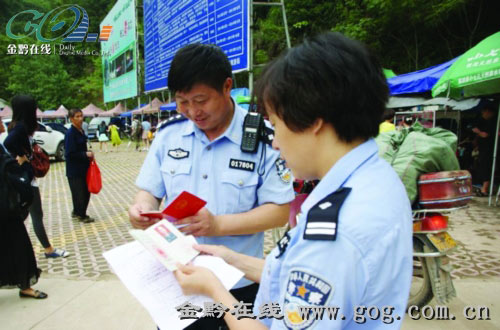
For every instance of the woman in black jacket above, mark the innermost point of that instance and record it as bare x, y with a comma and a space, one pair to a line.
19, 143
17, 261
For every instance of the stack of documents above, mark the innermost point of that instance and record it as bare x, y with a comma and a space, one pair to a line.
146, 268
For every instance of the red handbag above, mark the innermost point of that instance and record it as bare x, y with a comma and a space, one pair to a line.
39, 161
94, 181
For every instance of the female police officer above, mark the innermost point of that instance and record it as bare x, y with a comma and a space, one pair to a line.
352, 246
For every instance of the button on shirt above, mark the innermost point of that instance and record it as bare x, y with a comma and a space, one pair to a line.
369, 263
182, 158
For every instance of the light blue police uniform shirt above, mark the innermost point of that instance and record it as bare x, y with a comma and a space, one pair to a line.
182, 158
368, 264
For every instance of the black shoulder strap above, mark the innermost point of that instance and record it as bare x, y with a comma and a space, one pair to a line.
171, 120
322, 219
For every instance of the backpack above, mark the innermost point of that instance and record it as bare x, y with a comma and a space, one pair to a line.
138, 130
16, 193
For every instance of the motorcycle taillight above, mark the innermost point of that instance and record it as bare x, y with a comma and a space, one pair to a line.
434, 222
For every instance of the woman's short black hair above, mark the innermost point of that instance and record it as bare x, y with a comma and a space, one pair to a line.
198, 64
24, 110
330, 77
73, 112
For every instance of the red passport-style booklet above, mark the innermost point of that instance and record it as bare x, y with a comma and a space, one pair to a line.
185, 205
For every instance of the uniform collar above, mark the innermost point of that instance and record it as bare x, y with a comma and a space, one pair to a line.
340, 173
233, 133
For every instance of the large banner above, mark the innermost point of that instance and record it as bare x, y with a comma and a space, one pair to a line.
172, 24
119, 53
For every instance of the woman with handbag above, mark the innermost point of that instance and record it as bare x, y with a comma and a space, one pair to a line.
103, 138
20, 143
18, 265
77, 164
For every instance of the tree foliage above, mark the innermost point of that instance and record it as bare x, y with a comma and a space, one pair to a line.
406, 35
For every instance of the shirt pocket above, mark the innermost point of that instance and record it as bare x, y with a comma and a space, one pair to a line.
175, 176
239, 191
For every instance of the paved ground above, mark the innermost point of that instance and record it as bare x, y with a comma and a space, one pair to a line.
84, 294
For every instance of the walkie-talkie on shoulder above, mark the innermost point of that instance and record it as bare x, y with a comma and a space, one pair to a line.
252, 131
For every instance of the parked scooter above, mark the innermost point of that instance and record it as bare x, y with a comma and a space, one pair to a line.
440, 193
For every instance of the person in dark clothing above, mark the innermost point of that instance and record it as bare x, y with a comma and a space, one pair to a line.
485, 131
77, 163
17, 261
103, 138
19, 143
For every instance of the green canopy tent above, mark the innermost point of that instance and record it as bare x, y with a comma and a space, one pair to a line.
475, 73
389, 73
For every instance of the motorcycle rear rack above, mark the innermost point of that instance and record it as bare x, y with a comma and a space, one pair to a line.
433, 254
419, 214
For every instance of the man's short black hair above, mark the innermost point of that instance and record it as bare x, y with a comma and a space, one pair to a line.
198, 64
330, 77
73, 112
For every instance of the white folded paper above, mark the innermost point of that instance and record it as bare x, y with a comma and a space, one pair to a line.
167, 244
156, 287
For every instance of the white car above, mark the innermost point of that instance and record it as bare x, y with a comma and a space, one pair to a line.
51, 141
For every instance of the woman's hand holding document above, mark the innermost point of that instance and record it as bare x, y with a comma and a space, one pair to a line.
146, 269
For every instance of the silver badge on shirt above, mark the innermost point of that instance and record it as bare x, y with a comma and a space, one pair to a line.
178, 153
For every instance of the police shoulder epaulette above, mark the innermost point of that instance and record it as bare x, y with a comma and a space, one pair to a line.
268, 135
322, 219
171, 120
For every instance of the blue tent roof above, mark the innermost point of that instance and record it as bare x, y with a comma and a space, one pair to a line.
126, 114
418, 81
129, 113
172, 106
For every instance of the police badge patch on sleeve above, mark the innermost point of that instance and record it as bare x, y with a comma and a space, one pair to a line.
304, 290
283, 172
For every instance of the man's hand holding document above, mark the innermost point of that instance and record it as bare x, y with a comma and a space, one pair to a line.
146, 268
167, 244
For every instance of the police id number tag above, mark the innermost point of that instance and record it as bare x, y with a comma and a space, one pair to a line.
242, 165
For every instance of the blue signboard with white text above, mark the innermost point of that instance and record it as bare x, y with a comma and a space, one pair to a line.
171, 24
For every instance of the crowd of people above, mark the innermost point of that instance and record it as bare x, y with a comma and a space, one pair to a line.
142, 132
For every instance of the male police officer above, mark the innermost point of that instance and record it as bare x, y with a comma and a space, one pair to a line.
246, 193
